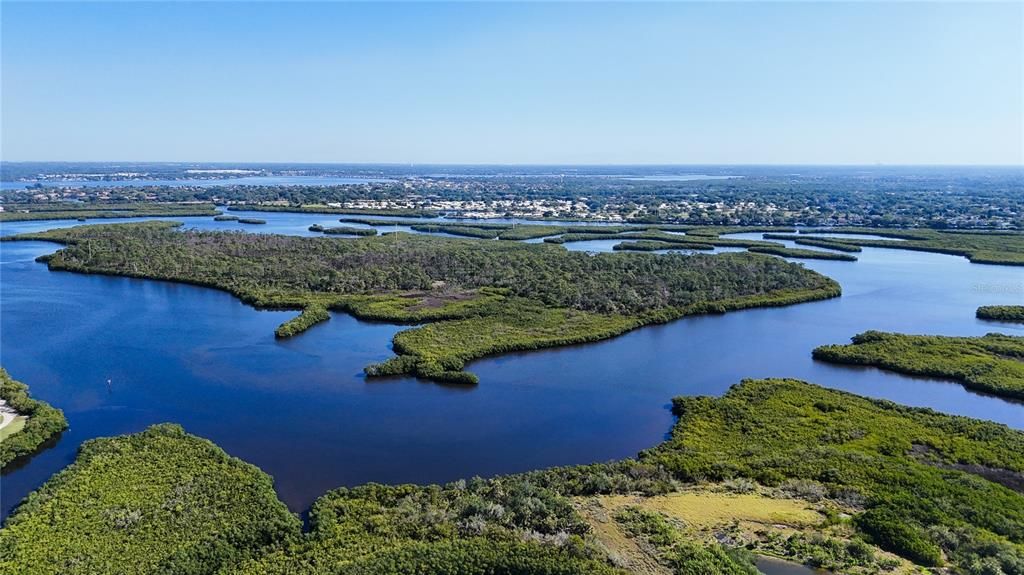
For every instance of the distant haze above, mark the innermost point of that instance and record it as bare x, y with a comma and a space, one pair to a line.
578, 83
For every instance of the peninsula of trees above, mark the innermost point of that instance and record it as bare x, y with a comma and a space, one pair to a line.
479, 298
992, 364
41, 421
1011, 313
13, 212
1005, 248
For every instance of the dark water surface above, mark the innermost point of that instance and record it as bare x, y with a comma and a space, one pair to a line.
302, 410
773, 566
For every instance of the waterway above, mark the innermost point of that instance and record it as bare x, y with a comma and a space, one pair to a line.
302, 410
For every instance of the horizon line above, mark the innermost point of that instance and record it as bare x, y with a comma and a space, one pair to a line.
517, 164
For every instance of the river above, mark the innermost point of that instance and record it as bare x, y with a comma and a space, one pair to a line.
301, 409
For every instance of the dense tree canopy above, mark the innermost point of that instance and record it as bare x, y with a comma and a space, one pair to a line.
157, 502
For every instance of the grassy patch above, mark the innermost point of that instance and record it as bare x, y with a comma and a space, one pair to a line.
702, 508
13, 427
920, 476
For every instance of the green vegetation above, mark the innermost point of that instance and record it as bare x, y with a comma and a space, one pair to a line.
578, 237
251, 221
225, 218
1004, 248
502, 526
703, 238
440, 350
682, 554
552, 234
993, 363
932, 487
381, 221
44, 421
708, 236
806, 254
526, 232
793, 521
343, 230
17, 424
310, 316
510, 231
653, 246
156, 502
100, 210
485, 297
1001, 312
815, 242
484, 233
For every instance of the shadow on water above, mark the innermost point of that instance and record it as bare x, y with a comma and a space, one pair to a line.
23, 460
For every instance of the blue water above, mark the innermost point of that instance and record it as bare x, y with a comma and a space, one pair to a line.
201, 182
301, 409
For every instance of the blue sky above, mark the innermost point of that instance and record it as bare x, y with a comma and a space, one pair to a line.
918, 83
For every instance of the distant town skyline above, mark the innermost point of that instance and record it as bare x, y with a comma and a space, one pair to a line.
507, 84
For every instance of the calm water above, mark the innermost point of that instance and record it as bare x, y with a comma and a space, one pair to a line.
301, 409
206, 183
773, 566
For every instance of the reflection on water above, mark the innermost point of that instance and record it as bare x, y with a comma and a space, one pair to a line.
773, 566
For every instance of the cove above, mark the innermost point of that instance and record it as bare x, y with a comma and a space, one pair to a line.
301, 409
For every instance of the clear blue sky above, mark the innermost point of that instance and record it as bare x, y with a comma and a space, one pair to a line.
932, 83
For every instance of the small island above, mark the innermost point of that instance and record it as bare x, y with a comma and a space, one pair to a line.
992, 364
800, 253
1007, 313
343, 230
